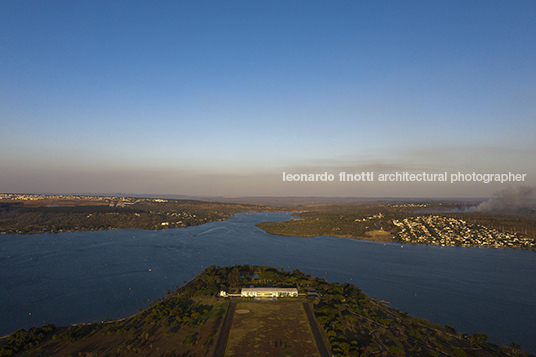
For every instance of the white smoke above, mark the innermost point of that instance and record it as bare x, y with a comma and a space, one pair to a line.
509, 200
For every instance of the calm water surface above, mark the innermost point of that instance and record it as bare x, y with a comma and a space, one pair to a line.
78, 277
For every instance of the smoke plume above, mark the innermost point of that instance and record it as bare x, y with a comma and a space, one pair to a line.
510, 200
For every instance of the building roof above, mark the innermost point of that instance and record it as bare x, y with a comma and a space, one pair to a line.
288, 290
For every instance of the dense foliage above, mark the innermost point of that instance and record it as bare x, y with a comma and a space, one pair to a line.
24, 340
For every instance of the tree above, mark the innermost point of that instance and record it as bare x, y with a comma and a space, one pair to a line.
477, 338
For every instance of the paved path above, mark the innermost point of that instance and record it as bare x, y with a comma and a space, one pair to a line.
225, 329
322, 348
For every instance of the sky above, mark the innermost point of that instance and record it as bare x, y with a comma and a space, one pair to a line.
220, 98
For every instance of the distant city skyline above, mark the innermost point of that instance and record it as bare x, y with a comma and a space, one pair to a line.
220, 99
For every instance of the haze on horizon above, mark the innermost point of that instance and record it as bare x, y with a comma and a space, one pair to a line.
220, 98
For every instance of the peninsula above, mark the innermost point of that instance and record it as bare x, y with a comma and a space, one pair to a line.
31, 213
427, 223
189, 322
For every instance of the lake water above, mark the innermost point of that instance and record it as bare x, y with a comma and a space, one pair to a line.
79, 277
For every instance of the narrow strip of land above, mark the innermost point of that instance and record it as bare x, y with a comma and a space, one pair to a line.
225, 329
322, 348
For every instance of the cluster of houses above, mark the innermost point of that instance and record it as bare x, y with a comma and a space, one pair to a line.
36, 197
449, 231
421, 205
112, 200
379, 215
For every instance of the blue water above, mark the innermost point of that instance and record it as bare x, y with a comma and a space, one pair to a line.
79, 277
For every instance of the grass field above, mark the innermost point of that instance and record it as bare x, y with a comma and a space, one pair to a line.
270, 328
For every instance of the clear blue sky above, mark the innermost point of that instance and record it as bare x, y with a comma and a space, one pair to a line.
222, 97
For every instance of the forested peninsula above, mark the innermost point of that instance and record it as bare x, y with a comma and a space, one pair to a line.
24, 214
188, 322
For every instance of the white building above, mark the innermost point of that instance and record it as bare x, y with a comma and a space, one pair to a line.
269, 292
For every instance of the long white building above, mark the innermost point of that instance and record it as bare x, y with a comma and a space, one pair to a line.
269, 292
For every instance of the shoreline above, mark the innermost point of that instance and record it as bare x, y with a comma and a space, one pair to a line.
374, 239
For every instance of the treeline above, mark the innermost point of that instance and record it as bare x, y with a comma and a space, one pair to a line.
24, 340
